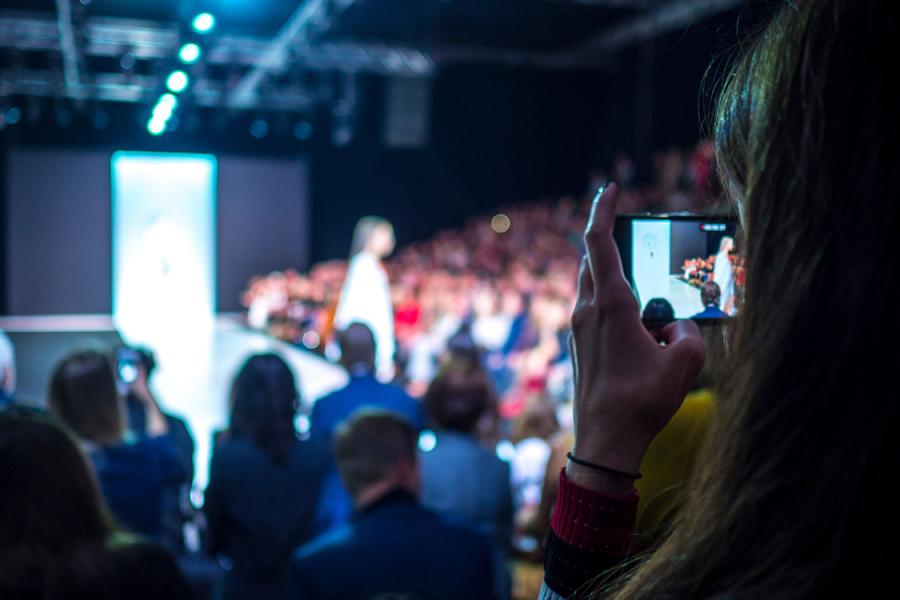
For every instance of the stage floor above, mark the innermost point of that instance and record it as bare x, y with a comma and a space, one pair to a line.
195, 365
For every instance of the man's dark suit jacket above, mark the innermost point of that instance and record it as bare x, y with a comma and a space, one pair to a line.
395, 546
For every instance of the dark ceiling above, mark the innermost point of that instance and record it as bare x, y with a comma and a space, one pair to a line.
533, 24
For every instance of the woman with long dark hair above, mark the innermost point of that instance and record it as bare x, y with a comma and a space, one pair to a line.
264, 482
790, 498
134, 474
57, 537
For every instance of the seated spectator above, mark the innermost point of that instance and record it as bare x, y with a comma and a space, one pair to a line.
393, 546
658, 312
7, 370
530, 433
264, 482
711, 296
176, 498
363, 390
133, 474
460, 476
358, 357
58, 539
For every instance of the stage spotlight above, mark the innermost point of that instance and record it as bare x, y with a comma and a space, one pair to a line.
13, 115
259, 128
170, 100
303, 130
156, 126
177, 81
203, 23
128, 61
162, 112
189, 53
500, 223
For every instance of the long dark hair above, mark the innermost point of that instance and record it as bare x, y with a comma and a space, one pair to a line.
51, 509
264, 402
789, 500
83, 394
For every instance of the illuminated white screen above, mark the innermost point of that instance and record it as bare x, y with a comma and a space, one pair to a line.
163, 212
650, 258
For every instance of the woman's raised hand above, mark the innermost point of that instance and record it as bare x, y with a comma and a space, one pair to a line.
628, 382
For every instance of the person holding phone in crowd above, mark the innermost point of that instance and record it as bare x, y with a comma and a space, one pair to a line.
789, 500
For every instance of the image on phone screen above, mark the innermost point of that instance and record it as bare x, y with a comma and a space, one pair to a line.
691, 262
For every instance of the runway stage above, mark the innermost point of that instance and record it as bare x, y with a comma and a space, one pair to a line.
195, 364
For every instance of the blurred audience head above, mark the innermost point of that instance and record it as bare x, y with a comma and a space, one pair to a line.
51, 507
462, 348
710, 294
459, 396
375, 452
658, 310
375, 235
264, 402
84, 396
537, 420
357, 345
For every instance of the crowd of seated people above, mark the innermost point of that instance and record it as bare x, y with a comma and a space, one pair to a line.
278, 495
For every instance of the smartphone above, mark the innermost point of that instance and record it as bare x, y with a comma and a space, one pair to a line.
127, 364
681, 266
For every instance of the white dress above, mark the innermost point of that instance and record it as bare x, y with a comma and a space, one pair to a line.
366, 298
723, 276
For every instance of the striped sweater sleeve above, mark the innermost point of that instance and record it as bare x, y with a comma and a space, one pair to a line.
589, 533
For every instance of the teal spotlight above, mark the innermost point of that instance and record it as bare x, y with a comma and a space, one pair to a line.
169, 100
203, 23
189, 53
177, 81
162, 112
156, 126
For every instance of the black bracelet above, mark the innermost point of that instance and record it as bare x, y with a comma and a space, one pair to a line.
590, 465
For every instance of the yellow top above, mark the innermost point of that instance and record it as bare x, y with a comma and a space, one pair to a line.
668, 465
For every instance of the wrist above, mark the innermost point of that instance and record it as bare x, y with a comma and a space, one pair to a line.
616, 452
600, 481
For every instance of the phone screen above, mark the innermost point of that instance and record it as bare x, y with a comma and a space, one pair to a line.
127, 362
686, 265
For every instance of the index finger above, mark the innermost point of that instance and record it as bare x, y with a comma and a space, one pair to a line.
603, 256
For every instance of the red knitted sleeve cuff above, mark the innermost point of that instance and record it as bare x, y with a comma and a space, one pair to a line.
592, 521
